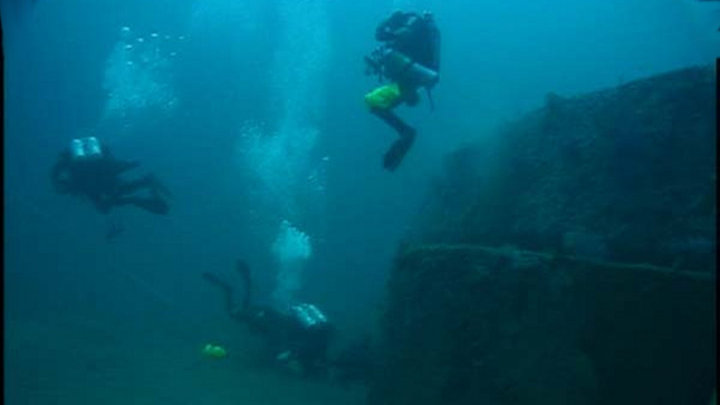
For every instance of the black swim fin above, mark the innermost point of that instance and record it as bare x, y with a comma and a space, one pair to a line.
394, 156
224, 286
157, 188
218, 281
213, 278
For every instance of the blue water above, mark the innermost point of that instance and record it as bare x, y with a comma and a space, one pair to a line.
251, 112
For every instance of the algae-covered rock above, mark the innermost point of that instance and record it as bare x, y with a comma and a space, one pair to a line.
568, 260
622, 174
476, 325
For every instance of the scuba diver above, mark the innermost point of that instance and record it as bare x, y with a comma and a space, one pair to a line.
409, 57
90, 170
298, 337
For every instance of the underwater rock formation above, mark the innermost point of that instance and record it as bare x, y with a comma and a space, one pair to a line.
473, 325
623, 174
569, 261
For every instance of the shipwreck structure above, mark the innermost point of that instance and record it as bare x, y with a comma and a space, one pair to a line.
569, 261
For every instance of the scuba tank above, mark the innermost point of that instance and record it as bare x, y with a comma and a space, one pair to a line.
401, 68
426, 77
315, 313
85, 148
308, 315
77, 150
92, 146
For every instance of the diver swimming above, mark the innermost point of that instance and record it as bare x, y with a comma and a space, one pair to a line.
297, 336
409, 57
88, 169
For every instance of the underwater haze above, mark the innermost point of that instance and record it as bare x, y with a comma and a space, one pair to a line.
251, 112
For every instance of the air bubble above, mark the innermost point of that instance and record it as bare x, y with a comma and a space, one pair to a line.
125, 32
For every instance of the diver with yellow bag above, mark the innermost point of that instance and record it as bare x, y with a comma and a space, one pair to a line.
297, 336
409, 57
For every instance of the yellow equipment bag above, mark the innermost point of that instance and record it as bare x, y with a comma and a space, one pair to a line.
214, 351
383, 97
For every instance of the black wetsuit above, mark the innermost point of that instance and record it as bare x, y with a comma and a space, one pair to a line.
286, 337
412, 35
417, 38
99, 180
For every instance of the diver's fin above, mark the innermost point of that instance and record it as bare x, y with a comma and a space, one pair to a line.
224, 286
214, 279
157, 188
398, 150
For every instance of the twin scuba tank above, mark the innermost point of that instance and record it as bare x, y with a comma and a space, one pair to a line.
85, 148
308, 315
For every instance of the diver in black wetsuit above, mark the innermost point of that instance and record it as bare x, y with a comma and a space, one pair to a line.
89, 169
410, 58
300, 335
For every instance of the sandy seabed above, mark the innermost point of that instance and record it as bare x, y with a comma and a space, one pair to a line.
48, 363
